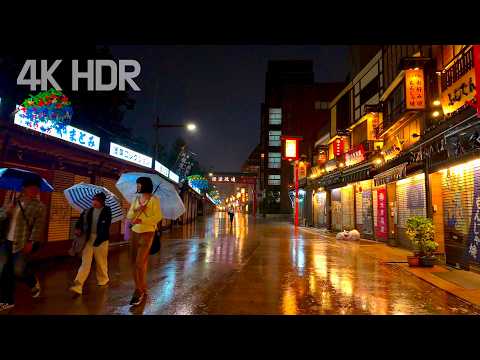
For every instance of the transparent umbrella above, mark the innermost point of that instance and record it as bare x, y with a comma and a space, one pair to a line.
170, 202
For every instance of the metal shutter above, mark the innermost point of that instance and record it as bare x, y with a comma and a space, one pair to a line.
336, 210
319, 209
458, 187
410, 202
364, 208
348, 211
60, 210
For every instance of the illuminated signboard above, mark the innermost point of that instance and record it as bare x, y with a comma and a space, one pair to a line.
291, 149
174, 177
302, 170
461, 91
162, 169
339, 146
355, 156
126, 154
414, 89
223, 179
69, 133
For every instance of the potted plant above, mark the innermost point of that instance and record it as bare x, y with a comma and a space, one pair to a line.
421, 232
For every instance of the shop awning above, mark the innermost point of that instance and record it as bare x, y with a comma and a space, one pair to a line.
396, 173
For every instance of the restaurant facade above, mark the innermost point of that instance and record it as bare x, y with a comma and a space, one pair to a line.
71, 158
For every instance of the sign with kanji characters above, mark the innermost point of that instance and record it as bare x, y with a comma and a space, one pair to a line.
338, 146
461, 91
127, 154
69, 133
355, 156
414, 89
162, 169
381, 223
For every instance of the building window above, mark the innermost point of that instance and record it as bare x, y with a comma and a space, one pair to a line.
274, 160
275, 116
273, 179
274, 137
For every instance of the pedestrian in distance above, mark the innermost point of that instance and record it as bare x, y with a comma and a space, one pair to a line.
94, 225
231, 214
24, 220
145, 214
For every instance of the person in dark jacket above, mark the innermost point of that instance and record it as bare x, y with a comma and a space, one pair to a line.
94, 224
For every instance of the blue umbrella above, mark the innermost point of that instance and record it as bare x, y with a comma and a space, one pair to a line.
80, 197
13, 178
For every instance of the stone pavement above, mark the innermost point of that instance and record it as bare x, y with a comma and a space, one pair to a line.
256, 266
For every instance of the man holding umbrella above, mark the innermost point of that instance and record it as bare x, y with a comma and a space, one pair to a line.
25, 217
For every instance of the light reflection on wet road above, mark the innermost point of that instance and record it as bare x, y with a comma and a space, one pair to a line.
254, 267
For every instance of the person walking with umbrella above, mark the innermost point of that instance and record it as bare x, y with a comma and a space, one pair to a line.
144, 213
94, 225
26, 218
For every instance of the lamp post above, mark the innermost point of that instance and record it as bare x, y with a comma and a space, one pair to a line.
290, 153
157, 126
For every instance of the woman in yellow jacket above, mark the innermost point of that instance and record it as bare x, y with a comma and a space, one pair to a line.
144, 213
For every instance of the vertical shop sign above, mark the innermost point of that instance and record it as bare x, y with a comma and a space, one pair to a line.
474, 236
381, 230
415, 89
367, 213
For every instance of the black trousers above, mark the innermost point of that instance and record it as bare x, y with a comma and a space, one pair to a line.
13, 267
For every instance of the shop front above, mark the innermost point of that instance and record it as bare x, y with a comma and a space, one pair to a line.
364, 208
343, 210
319, 208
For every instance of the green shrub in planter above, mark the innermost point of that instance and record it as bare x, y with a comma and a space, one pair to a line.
421, 232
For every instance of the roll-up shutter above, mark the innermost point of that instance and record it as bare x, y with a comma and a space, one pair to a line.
60, 209
458, 189
319, 201
348, 211
337, 210
410, 202
364, 208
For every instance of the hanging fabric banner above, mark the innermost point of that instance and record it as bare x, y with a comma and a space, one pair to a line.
473, 246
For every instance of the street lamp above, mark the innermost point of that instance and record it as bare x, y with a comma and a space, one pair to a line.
190, 127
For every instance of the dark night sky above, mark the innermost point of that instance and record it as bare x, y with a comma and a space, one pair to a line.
220, 88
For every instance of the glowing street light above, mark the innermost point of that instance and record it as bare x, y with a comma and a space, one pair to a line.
191, 127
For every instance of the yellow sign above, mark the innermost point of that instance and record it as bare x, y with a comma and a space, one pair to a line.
291, 148
456, 95
414, 89
302, 170
315, 171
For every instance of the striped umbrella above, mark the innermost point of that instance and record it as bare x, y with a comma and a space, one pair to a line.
80, 197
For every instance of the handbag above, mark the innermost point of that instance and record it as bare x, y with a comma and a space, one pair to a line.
79, 241
156, 243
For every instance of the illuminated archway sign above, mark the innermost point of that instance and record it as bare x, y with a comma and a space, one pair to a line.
290, 145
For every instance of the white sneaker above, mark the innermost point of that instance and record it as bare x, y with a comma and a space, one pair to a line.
76, 288
36, 290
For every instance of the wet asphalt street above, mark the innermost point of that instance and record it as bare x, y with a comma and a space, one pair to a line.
255, 267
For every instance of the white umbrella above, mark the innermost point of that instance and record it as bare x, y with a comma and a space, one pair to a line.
80, 197
170, 202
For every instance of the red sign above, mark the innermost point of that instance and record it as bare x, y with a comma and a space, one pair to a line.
381, 228
338, 146
355, 156
322, 157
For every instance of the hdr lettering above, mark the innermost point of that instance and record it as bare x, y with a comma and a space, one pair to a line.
92, 74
